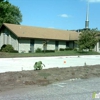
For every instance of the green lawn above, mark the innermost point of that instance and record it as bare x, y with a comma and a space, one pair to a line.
57, 53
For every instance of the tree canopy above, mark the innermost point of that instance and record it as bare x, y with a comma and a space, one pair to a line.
9, 13
87, 39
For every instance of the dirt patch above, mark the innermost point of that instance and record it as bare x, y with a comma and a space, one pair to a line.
12, 80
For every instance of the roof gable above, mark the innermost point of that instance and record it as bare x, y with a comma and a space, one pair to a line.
42, 33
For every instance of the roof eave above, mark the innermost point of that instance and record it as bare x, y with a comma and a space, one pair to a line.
10, 30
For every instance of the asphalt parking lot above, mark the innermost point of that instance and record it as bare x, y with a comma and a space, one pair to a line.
78, 89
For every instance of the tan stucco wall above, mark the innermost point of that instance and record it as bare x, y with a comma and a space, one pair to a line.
24, 45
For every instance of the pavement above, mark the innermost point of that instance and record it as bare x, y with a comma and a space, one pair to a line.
27, 63
73, 89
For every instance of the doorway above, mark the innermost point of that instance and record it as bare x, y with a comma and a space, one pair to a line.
32, 45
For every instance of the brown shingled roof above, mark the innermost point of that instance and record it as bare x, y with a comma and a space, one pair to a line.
43, 33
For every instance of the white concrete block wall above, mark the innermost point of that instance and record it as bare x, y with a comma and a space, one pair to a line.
8, 38
1, 40
71, 44
51, 45
14, 42
62, 44
38, 44
24, 46
5, 38
9, 42
97, 47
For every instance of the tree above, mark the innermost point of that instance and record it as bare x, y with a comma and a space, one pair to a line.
44, 46
9, 13
87, 39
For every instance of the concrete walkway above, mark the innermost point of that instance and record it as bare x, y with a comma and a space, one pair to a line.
19, 64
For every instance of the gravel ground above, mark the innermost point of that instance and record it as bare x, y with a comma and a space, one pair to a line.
80, 89
73, 83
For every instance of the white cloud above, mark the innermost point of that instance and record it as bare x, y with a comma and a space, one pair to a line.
64, 15
94, 1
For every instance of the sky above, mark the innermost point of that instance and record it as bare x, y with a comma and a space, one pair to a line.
59, 14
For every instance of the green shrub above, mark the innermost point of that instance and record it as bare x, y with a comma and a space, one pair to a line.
61, 49
49, 51
3, 46
7, 48
38, 50
14, 51
64, 49
68, 48
30, 51
75, 49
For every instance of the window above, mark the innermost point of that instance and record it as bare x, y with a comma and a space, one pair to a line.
67, 43
32, 45
56, 45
